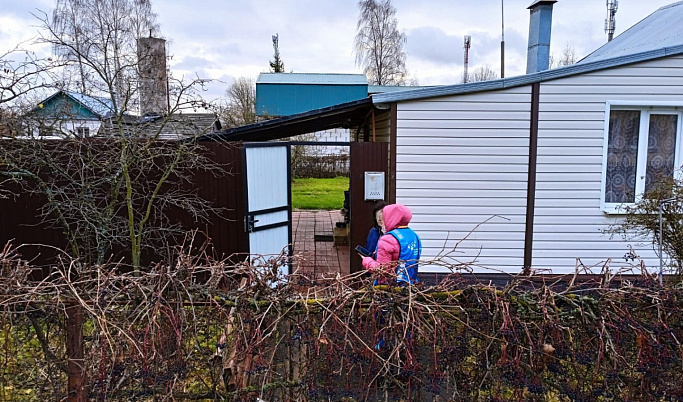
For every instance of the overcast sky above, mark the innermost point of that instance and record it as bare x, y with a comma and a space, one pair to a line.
226, 39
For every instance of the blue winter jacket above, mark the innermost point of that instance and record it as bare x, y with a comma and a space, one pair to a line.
411, 249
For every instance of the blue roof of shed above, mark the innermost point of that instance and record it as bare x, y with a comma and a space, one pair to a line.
658, 35
312, 79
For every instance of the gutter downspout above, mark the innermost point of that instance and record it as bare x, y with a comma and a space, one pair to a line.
531, 179
392, 154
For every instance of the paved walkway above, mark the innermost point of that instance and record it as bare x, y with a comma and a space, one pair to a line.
316, 254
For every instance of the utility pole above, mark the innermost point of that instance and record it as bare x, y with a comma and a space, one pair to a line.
502, 40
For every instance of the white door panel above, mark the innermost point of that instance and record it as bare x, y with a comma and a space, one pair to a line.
268, 193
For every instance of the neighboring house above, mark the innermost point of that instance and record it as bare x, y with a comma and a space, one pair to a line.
166, 127
287, 94
544, 159
69, 113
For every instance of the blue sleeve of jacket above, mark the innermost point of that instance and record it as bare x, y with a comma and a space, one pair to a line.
371, 242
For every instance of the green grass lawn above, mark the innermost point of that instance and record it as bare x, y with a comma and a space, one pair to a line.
319, 193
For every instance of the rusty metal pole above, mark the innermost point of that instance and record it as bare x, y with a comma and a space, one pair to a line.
502, 40
74, 351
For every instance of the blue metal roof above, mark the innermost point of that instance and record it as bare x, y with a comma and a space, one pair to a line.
664, 28
312, 79
67, 104
661, 29
103, 107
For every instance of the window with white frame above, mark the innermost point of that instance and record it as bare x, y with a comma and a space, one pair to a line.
83, 132
642, 149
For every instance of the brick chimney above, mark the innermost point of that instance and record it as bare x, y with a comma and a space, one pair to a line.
540, 22
153, 78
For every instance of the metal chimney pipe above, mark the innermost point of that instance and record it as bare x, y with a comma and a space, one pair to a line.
540, 23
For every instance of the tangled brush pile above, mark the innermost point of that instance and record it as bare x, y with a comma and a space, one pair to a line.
208, 330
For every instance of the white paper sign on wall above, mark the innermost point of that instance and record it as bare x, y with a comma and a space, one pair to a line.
374, 186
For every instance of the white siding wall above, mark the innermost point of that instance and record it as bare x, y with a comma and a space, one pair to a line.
70, 127
461, 160
568, 221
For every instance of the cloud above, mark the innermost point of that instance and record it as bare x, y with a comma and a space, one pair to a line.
582, 36
431, 49
433, 45
193, 63
231, 38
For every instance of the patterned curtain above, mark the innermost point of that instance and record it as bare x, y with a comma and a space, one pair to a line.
661, 149
622, 156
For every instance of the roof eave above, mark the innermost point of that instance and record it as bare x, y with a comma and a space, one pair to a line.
547, 75
265, 130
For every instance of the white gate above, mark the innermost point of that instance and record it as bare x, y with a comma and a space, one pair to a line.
268, 220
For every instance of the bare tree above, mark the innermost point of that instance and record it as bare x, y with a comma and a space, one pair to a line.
379, 43
114, 191
241, 96
112, 196
99, 38
482, 73
22, 72
567, 57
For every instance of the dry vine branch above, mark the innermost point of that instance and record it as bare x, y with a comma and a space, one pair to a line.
206, 329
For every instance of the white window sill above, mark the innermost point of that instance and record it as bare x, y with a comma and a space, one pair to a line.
616, 209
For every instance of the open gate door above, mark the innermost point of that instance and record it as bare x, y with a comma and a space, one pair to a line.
267, 189
365, 157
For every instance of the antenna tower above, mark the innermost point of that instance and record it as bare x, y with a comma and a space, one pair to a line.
610, 23
468, 40
276, 46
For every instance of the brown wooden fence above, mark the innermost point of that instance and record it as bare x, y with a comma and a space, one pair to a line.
227, 234
21, 223
20, 220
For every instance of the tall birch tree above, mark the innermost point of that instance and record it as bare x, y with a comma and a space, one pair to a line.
379, 43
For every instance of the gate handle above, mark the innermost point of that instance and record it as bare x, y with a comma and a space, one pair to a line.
250, 223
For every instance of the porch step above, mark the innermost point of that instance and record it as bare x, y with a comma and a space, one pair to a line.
324, 237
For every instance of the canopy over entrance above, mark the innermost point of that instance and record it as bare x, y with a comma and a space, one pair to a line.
345, 115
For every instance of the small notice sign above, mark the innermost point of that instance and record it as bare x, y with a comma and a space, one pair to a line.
374, 186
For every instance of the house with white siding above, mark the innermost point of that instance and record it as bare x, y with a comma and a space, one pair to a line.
67, 113
546, 159
527, 171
